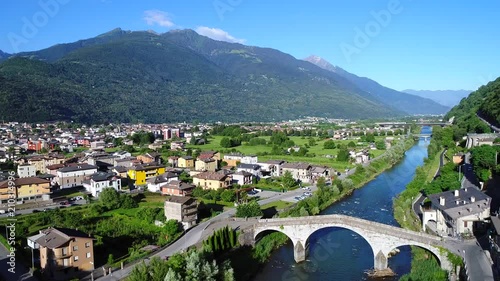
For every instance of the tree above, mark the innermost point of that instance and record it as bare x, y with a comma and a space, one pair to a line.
225, 142
370, 137
111, 259
380, 145
172, 227
329, 144
251, 209
110, 198
127, 202
343, 155
172, 276
288, 180
321, 183
227, 196
351, 144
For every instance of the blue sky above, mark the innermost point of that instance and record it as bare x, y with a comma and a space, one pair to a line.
426, 44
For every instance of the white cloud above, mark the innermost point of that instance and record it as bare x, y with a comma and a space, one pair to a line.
157, 17
218, 34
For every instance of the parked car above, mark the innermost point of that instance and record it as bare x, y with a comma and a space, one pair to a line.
2, 211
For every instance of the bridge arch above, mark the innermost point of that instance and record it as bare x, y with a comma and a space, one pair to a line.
299, 248
330, 243
441, 257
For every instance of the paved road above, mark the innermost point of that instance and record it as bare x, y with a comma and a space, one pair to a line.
202, 230
19, 272
477, 261
494, 128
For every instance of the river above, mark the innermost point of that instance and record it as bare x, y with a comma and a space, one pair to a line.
340, 254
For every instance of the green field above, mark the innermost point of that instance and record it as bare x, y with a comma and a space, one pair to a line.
277, 204
317, 149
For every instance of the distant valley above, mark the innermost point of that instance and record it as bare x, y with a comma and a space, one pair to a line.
445, 97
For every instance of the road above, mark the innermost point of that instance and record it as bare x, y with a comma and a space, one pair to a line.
494, 128
198, 232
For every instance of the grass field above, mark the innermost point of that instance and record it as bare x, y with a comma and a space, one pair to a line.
317, 149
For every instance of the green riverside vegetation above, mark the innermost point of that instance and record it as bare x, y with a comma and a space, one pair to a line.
327, 195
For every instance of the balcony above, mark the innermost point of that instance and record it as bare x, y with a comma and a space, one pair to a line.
60, 255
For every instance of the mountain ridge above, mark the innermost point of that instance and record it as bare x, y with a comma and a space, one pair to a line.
408, 103
139, 76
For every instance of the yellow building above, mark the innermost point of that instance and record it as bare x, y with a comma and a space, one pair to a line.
30, 188
140, 173
212, 180
209, 165
186, 162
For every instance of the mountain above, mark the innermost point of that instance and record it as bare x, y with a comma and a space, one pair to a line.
140, 76
445, 97
484, 102
3, 56
408, 103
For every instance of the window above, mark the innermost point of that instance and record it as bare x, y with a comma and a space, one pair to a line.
88, 255
65, 262
75, 258
87, 244
465, 223
75, 248
64, 251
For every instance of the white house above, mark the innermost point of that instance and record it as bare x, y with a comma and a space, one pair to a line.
26, 170
272, 168
155, 184
98, 181
254, 169
249, 159
456, 212
242, 178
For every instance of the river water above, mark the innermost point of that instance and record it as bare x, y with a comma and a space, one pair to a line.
341, 254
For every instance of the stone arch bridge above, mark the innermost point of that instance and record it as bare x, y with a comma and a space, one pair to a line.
382, 238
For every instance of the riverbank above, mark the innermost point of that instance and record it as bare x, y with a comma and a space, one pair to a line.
423, 265
247, 262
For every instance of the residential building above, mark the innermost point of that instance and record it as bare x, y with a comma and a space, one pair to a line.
300, 171
480, 139
233, 159
120, 171
64, 253
206, 164
96, 145
26, 189
122, 154
183, 209
186, 162
210, 154
173, 161
456, 212
26, 170
458, 158
150, 157
155, 184
100, 180
177, 188
126, 162
249, 159
177, 145
74, 175
273, 168
52, 169
242, 178
212, 180
254, 169
139, 174
319, 172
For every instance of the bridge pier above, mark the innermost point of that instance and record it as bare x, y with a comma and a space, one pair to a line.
380, 261
299, 251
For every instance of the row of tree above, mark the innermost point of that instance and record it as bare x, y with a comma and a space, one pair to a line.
221, 240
